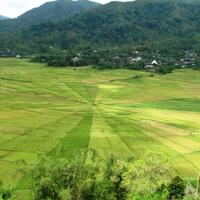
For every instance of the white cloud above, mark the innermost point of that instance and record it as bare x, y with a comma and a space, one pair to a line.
14, 8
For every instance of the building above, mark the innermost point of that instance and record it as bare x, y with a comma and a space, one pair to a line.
18, 56
75, 59
154, 63
152, 67
132, 60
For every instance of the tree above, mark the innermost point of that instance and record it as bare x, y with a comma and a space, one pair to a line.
176, 188
145, 176
46, 189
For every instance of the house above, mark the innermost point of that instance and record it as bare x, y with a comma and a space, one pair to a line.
116, 58
132, 60
154, 63
18, 56
78, 54
75, 59
152, 67
189, 59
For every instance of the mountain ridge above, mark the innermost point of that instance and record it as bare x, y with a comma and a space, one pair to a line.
168, 22
3, 17
51, 11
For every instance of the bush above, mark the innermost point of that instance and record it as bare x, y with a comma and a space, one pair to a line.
46, 189
5, 192
176, 189
93, 178
145, 176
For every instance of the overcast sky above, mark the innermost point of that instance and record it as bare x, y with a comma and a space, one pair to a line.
14, 8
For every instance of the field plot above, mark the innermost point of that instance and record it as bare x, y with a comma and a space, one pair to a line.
59, 111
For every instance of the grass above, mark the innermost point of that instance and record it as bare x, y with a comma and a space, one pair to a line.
59, 111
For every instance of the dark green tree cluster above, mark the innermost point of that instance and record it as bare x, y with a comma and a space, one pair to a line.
101, 58
89, 177
81, 178
112, 58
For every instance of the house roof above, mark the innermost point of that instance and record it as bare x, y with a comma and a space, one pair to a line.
154, 62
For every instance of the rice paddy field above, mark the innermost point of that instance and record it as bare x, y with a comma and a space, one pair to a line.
120, 112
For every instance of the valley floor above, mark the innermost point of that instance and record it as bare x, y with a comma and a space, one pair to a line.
120, 112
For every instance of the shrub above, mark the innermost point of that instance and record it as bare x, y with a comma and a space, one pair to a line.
5, 191
176, 188
46, 189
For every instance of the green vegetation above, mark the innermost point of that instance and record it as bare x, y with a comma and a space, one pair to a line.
85, 132
168, 26
65, 111
49, 12
119, 58
3, 17
79, 33
88, 177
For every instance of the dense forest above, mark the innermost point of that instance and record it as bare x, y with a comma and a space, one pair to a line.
3, 17
171, 23
53, 11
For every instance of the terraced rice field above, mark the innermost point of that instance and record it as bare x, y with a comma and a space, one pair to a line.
59, 111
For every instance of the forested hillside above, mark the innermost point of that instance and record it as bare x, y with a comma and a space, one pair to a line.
3, 17
171, 23
49, 12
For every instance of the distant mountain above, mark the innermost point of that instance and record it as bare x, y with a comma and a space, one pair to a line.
3, 17
166, 23
49, 12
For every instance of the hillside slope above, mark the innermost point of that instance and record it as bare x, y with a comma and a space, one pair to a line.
3, 17
49, 12
171, 22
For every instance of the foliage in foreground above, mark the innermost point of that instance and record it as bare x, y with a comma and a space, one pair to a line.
91, 178
5, 191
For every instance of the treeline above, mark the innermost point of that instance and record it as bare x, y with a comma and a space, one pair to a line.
101, 59
89, 177
112, 58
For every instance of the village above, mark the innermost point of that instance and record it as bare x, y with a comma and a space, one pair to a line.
189, 59
105, 58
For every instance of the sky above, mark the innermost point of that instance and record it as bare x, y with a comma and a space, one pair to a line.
14, 8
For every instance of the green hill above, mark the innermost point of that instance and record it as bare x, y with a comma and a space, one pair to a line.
3, 17
49, 12
166, 23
